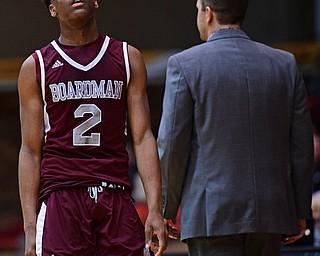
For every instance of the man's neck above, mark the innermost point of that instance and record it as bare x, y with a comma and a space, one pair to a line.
215, 29
220, 27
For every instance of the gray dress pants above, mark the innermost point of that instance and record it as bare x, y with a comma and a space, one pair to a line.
252, 244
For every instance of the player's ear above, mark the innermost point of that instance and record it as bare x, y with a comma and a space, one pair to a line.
52, 10
96, 5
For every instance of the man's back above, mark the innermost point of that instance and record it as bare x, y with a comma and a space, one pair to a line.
241, 99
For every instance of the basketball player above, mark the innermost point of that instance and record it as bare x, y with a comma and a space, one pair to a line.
76, 96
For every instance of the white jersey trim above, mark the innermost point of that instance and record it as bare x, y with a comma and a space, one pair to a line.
127, 64
42, 74
40, 227
43, 89
78, 65
126, 61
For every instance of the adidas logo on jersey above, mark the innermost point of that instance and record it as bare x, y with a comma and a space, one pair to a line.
57, 64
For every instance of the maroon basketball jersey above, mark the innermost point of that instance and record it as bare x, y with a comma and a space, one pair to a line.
84, 91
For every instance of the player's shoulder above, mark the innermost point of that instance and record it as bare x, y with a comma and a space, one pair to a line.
28, 63
44, 49
134, 52
136, 59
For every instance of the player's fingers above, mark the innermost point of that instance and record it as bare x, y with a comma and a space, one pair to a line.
163, 243
160, 251
148, 236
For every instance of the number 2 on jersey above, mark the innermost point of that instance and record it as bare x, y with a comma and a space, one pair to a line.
79, 139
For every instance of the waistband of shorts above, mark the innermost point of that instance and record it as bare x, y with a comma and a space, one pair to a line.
110, 185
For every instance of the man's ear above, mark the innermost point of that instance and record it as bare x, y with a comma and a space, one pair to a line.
209, 14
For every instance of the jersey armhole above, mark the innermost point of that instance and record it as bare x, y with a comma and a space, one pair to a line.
126, 61
41, 75
37, 64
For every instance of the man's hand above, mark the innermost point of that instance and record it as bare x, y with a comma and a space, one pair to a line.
302, 225
173, 231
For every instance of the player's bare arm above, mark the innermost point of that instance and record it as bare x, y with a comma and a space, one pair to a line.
145, 147
31, 119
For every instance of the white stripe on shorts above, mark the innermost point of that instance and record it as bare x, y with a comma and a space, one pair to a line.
40, 225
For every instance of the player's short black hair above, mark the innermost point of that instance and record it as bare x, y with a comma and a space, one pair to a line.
47, 3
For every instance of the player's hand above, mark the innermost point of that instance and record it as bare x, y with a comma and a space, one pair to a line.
155, 226
30, 244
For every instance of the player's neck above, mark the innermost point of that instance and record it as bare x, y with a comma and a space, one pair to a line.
78, 36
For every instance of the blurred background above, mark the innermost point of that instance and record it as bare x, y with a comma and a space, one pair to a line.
158, 29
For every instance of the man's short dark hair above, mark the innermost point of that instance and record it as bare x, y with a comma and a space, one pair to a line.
47, 3
228, 11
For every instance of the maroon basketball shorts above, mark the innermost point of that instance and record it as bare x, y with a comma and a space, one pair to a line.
88, 222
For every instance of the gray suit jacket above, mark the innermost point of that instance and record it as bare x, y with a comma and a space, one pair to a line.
235, 139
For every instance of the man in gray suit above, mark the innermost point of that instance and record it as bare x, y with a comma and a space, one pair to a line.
235, 140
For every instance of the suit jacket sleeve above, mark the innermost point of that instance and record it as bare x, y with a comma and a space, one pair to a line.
174, 138
301, 151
